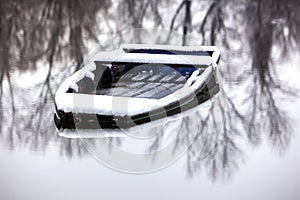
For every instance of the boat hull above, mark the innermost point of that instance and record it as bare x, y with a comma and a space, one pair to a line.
70, 120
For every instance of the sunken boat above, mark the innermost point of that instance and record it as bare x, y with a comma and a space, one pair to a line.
136, 84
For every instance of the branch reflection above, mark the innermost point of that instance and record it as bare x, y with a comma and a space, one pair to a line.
256, 37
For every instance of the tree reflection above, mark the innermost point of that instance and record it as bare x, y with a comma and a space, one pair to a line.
48, 34
40, 34
264, 34
263, 115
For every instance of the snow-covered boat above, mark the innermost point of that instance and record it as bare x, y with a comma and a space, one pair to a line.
135, 84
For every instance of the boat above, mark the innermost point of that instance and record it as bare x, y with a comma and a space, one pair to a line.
136, 84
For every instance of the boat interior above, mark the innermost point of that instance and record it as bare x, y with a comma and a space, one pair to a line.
152, 81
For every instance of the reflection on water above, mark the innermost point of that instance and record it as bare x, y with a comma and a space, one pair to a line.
39, 40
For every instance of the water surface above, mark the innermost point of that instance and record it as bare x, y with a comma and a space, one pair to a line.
257, 151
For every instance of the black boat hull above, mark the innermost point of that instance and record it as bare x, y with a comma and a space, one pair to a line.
68, 120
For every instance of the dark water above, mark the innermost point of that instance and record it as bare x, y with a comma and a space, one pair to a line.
257, 151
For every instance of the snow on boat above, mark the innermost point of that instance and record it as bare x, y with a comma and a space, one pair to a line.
136, 84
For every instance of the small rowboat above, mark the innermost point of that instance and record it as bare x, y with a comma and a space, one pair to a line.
136, 84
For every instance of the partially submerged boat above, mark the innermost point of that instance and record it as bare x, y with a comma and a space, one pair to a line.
136, 84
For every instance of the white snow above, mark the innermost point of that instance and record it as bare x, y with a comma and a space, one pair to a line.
101, 104
117, 56
173, 48
113, 105
71, 82
90, 75
200, 80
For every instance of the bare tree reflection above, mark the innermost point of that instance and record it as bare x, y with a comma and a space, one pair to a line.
42, 34
39, 33
263, 115
264, 35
